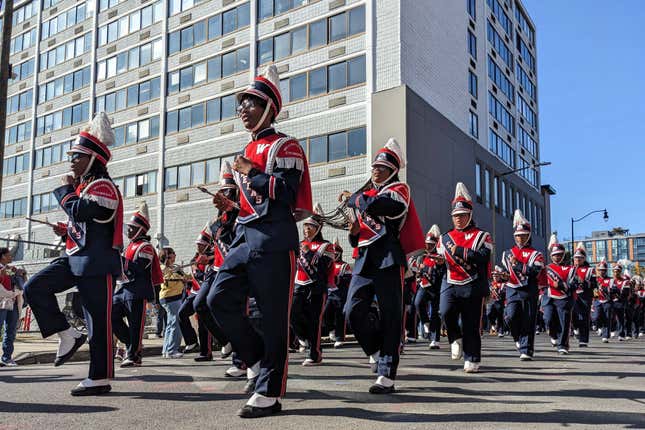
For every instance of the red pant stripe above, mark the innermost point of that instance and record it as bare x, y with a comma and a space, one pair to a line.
292, 277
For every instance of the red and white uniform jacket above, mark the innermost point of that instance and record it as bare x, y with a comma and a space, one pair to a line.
559, 280
142, 270
640, 296
621, 289
604, 289
339, 276
470, 261
584, 281
497, 292
429, 273
314, 264
527, 276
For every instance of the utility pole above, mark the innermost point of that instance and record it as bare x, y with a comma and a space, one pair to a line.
5, 75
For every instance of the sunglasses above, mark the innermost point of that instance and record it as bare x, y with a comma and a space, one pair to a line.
246, 104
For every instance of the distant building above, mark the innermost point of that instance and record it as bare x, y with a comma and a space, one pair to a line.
614, 247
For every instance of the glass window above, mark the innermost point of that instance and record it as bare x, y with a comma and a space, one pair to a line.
337, 146
318, 81
133, 95
146, 16
135, 21
356, 70
145, 55
229, 21
337, 27
318, 33
282, 6
337, 77
131, 133
197, 173
356, 142
171, 178
265, 48
186, 78
243, 15
119, 136
243, 58
318, 149
282, 46
197, 115
228, 64
187, 40
173, 82
229, 103
214, 68
200, 73
298, 40
199, 32
184, 118
212, 170
174, 44
183, 179
357, 20
212, 111
214, 26
171, 121
130, 186
265, 9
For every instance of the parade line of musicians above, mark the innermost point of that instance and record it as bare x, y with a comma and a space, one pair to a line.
260, 292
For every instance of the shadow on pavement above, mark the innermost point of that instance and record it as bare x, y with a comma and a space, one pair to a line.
44, 408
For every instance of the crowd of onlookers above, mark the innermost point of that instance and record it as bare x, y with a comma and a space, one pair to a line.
11, 304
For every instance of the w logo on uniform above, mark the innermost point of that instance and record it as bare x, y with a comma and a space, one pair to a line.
526, 254
261, 147
468, 235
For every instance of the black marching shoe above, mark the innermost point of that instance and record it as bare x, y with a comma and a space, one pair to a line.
381, 389
249, 388
91, 391
78, 342
204, 358
249, 411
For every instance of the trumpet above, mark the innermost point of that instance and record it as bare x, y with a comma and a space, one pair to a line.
340, 218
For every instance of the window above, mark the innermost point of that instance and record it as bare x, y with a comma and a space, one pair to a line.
137, 131
526, 55
196, 173
639, 248
524, 25
503, 19
335, 146
528, 172
18, 133
472, 45
498, 77
23, 41
24, 12
318, 33
487, 187
15, 164
499, 147
471, 7
141, 18
601, 250
472, 84
176, 6
52, 154
65, 52
19, 102
269, 8
499, 112
503, 199
474, 124
62, 118
619, 249
478, 181
23, 70
496, 40
42, 203
64, 85
526, 111
525, 81
527, 141
13, 208
66, 19
128, 60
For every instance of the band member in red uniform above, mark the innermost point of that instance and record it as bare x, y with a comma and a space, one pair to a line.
340, 277
314, 267
621, 291
497, 302
557, 302
94, 238
638, 304
430, 270
467, 250
605, 312
275, 189
142, 272
526, 276
584, 283
386, 229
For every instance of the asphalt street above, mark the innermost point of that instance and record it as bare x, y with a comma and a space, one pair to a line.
600, 387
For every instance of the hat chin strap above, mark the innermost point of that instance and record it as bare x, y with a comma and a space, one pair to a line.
89, 165
263, 118
528, 237
380, 184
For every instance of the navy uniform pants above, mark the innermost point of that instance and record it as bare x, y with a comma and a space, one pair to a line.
427, 306
334, 317
204, 313
134, 311
521, 319
495, 315
455, 305
382, 332
96, 296
306, 317
269, 278
582, 318
557, 317
186, 310
619, 312
410, 322
605, 320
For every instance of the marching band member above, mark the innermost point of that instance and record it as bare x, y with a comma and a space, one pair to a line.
621, 288
94, 238
605, 307
638, 305
557, 301
386, 229
525, 267
273, 181
341, 276
141, 273
496, 303
314, 265
584, 283
466, 250
430, 270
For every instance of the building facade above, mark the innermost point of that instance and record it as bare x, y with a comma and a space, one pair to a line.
455, 81
614, 247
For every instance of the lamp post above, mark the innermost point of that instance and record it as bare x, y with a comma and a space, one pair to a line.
605, 217
496, 197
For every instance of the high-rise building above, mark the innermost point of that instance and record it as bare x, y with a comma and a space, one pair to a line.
613, 246
455, 81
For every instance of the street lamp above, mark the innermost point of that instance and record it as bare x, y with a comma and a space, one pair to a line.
605, 217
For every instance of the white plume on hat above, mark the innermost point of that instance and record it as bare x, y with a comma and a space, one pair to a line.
336, 241
498, 269
553, 240
143, 209
317, 210
101, 128
462, 191
519, 219
434, 231
394, 146
271, 74
581, 251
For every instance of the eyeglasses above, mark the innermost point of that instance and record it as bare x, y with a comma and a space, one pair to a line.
246, 104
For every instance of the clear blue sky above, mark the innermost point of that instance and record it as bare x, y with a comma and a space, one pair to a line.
591, 93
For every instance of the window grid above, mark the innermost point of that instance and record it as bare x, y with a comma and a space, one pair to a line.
526, 111
137, 131
23, 70
13, 208
502, 17
270, 8
499, 147
18, 133
16, 164
64, 85
195, 173
129, 60
63, 118
140, 184
52, 154
500, 46
335, 146
66, 51
525, 81
19, 102
66, 19
22, 41
501, 114
25, 12
41, 203
498, 77
130, 23
128, 97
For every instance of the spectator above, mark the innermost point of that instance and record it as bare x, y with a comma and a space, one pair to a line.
10, 304
170, 297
